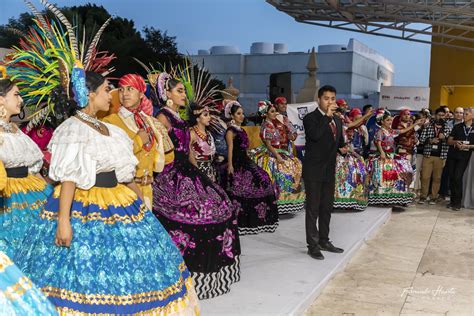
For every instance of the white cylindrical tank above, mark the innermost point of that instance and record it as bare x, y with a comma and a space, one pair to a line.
280, 48
203, 52
261, 48
224, 50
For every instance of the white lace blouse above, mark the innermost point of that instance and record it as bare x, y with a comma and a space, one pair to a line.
79, 152
18, 150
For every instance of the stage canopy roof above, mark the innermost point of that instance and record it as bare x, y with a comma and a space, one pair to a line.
444, 22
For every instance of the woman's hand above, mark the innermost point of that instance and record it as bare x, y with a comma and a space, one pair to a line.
383, 156
63, 236
280, 160
230, 169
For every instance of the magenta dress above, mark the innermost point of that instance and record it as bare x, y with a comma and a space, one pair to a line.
199, 216
252, 188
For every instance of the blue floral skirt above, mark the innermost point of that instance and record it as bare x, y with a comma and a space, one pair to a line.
20, 203
121, 259
18, 295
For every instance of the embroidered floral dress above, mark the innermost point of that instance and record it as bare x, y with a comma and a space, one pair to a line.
351, 189
390, 178
286, 176
251, 187
121, 260
18, 295
24, 194
199, 216
204, 151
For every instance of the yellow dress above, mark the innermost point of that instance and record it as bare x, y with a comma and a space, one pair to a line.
148, 161
3, 177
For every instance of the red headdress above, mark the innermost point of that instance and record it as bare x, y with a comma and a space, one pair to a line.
138, 83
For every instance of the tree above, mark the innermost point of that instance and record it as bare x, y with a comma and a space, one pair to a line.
160, 43
8, 32
120, 37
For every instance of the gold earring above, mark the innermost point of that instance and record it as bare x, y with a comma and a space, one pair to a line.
3, 112
169, 102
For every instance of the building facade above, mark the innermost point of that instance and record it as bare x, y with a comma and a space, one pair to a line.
356, 71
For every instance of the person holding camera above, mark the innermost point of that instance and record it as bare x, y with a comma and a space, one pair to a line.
435, 151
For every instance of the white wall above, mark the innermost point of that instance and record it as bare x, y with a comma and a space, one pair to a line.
354, 72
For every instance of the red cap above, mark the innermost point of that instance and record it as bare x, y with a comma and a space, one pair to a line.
280, 100
354, 112
404, 111
340, 102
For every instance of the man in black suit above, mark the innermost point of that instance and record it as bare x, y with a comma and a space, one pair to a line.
323, 140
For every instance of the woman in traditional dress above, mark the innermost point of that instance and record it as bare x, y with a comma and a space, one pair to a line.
284, 169
202, 148
96, 249
390, 174
196, 212
246, 182
351, 190
25, 191
18, 295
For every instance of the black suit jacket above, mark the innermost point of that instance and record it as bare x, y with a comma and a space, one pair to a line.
319, 163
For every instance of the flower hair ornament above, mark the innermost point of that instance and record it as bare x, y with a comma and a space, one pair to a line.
263, 107
381, 114
162, 85
228, 107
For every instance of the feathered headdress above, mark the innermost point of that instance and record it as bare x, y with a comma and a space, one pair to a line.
3, 71
48, 59
196, 81
200, 90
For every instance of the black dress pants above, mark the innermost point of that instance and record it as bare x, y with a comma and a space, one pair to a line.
456, 166
319, 205
444, 187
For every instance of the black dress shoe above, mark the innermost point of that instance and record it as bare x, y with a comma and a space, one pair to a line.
328, 246
315, 254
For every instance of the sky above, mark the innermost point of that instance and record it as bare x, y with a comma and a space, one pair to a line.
200, 24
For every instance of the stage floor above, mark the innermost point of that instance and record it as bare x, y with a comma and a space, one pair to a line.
279, 278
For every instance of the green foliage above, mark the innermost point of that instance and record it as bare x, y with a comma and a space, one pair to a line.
120, 38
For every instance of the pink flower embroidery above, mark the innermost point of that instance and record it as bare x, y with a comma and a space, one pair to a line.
261, 210
182, 240
227, 239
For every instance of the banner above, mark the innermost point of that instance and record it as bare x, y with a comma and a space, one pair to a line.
296, 113
398, 98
